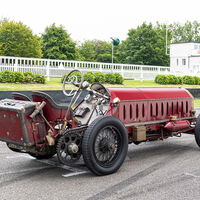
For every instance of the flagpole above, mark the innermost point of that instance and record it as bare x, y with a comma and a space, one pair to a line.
166, 42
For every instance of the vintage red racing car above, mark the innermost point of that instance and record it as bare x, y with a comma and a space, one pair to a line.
100, 126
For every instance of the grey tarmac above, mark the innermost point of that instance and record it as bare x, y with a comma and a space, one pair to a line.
168, 169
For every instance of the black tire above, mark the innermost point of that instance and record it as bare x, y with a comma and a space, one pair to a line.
197, 131
105, 145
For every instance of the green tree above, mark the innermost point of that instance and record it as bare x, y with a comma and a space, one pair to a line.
16, 39
97, 51
189, 32
145, 45
57, 44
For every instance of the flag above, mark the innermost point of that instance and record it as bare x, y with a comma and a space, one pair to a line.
170, 28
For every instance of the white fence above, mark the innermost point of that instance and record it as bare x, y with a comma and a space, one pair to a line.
56, 68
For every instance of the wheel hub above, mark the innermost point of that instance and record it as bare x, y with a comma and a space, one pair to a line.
106, 145
73, 148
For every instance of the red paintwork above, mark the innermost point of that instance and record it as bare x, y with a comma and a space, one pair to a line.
148, 93
177, 125
150, 104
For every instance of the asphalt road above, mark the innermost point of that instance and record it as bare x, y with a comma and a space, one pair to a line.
168, 169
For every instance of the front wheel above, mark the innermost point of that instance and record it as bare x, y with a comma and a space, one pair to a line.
105, 145
197, 131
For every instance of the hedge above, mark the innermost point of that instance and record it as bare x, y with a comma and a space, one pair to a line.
7, 76
172, 79
100, 77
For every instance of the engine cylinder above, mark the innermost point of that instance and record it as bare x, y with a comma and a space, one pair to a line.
176, 125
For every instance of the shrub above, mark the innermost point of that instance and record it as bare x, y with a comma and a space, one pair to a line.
38, 78
119, 78
162, 79
157, 78
19, 77
188, 80
74, 73
173, 79
89, 77
99, 77
196, 80
7, 76
110, 78
28, 77
180, 80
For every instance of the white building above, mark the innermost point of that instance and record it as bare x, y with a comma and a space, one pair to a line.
185, 58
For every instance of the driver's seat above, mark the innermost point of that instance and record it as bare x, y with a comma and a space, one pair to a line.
52, 111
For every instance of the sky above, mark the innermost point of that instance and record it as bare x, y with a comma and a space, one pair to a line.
98, 19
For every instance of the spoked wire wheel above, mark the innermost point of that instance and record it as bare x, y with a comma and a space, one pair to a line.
69, 148
105, 145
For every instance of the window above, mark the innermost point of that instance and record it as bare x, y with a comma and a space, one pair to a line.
184, 61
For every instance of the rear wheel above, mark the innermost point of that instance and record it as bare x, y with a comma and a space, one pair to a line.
105, 145
197, 131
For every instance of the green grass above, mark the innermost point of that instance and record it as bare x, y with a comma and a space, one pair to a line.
196, 102
55, 84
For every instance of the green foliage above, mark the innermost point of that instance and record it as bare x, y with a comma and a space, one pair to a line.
171, 79
180, 80
72, 74
110, 78
189, 32
38, 78
89, 77
196, 80
19, 77
99, 77
188, 80
162, 79
28, 77
57, 44
119, 78
7, 76
16, 39
98, 51
144, 45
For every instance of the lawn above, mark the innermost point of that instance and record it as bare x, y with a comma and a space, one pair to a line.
55, 84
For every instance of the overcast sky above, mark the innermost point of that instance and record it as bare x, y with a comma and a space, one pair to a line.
98, 19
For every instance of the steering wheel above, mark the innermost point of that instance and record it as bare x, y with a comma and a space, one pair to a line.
74, 78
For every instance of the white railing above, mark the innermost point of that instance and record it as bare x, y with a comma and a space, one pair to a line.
56, 68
